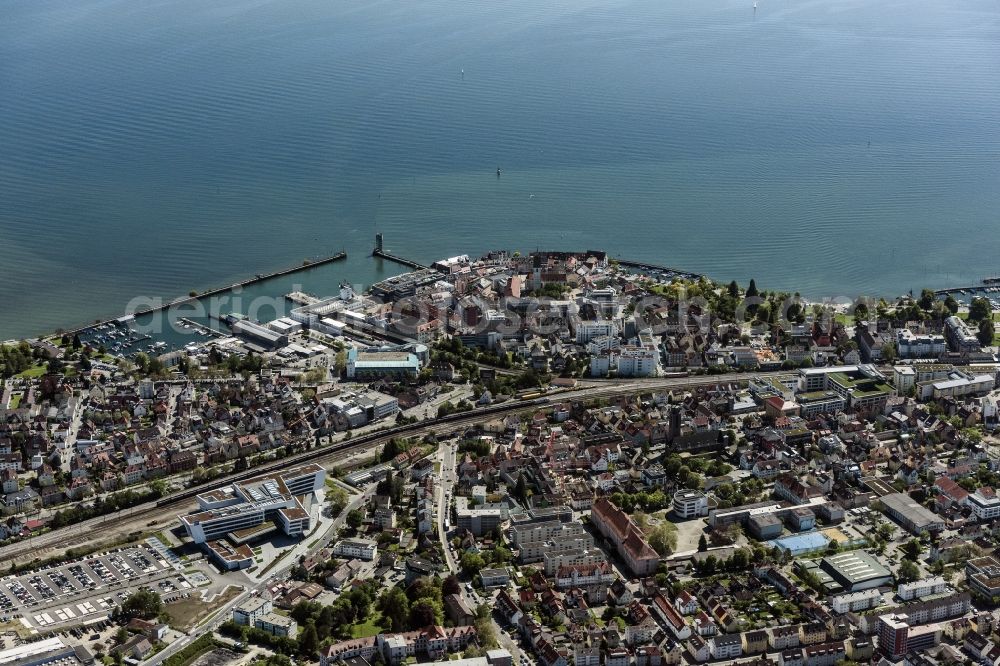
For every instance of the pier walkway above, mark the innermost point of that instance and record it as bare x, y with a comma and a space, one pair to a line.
399, 260
207, 330
651, 268
260, 277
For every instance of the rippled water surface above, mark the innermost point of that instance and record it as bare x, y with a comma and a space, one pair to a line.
155, 147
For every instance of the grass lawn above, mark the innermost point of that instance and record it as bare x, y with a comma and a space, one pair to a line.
844, 318
965, 315
370, 627
186, 613
15, 400
34, 372
16, 628
203, 644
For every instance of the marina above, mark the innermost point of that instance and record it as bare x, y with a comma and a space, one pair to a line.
989, 288
199, 327
658, 270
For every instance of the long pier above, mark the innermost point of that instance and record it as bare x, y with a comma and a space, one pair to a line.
260, 277
399, 260
207, 330
974, 290
644, 266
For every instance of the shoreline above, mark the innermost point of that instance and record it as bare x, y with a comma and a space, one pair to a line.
181, 300
645, 267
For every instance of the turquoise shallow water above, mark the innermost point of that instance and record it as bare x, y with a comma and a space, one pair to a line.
151, 148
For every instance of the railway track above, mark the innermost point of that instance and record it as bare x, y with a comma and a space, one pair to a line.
102, 529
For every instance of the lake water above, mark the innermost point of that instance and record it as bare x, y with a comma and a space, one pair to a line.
153, 147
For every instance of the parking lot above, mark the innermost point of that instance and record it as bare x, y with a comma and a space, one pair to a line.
88, 588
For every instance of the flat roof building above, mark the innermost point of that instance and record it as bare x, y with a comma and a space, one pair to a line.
909, 513
261, 335
230, 557
251, 503
856, 570
377, 363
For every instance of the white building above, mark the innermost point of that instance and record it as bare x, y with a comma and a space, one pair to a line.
248, 612
856, 601
588, 330
278, 625
637, 361
147, 389
358, 408
961, 338
600, 364
904, 378
984, 504
330, 326
690, 504
604, 343
924, 345
358, 549
726, 646
921, 588
817, 379
285, 326
254, 502
961, 384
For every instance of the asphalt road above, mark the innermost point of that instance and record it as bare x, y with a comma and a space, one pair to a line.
105, 528
224, 613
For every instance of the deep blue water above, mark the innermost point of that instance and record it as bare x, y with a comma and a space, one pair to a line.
148, 148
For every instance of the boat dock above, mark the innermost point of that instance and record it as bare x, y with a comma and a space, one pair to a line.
987, 285
399, 260
260, 277
302, 298
207, 330
656, 268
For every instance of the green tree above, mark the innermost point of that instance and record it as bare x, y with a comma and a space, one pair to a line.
395, 607
980, 309
451, 586
951, 304
927, 298
740, 560
337, 498
521, 489
144, 604
889, 352
472, 563
355, 518
908, 571
663, 538
426, 612
860, 311
985, 332
308, 641
702, 544
912, 549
